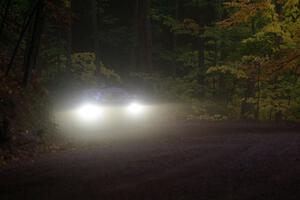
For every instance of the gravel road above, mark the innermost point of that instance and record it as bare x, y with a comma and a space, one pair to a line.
191, 163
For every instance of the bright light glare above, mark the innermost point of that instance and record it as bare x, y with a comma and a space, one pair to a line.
135, 108
89, 112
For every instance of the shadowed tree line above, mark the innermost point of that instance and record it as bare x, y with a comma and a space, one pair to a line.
224, 59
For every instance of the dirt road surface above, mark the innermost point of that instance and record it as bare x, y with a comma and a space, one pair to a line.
191, 162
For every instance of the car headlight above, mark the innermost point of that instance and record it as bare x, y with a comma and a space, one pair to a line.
89, 112
135, 108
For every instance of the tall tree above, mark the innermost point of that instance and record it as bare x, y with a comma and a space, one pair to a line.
144, 35
69, 38
34, 44
27, 22
96, 33
5, 15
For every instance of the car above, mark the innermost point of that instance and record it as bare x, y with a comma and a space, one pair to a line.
106, 110
110, 104
113, 112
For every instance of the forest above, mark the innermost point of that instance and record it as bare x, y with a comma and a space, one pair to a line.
150, 99
225, 59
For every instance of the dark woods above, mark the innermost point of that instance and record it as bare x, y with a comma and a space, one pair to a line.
33, 26
22, 26
225, 59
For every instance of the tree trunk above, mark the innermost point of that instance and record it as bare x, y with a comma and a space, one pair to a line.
28, 42
201, 43
248, 108
69, 42
33, 46
4, 130
144, 47
96, 24
175, 39
7, 8
257, 112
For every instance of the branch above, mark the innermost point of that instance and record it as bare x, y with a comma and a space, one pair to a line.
21, 38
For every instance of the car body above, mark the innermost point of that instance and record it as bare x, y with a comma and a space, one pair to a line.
107, 109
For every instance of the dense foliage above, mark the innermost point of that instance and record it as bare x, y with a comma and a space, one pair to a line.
235, 59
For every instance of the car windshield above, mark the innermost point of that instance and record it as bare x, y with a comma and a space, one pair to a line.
108, 95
